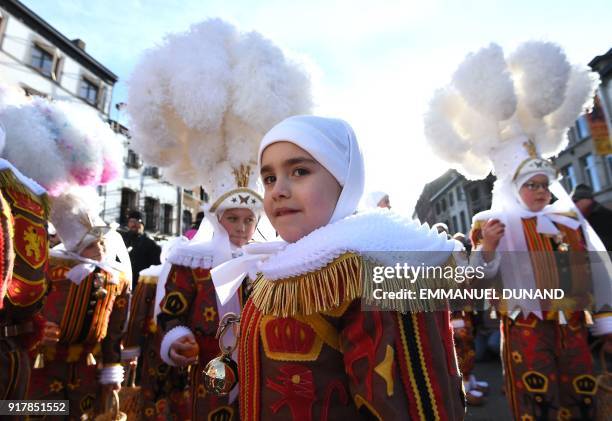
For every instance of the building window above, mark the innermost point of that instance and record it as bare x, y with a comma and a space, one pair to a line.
474, 194
459, 194
437, 208
455, 227
151, 214
589, 167
569, 177
167, 226
451, 199
89, 91
187, 220
582, 128
463, 222
444, 205
152, 172
133, 160
42, 60
128, 203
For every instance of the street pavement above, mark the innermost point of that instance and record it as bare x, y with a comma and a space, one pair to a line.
495, 407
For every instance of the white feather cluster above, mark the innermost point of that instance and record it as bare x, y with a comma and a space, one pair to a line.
57, 143
533, 93
201, 101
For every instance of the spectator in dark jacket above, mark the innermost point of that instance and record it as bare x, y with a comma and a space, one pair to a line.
144, 251
598, 215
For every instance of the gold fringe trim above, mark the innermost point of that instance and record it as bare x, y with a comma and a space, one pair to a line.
148, 280
9, 180
344, 279
315, 292
58, 261
394, 285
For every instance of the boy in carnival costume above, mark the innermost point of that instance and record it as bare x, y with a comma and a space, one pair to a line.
212, 110
86, 308
307, 348
508, 114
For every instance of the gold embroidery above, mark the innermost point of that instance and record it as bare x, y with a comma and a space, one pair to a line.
385, 369
324, 330
32, 243
209, 314
296, 334
360, 401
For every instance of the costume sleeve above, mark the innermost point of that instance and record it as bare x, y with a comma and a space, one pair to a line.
401, 364
140, 319
180, 293
173, 320
111, 344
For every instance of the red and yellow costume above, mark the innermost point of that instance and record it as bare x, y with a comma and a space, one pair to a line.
190, 301
309, 351
548, 368
91, 324
24, 217
164, 389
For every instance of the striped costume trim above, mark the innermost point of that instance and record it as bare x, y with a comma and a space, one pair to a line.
76, 308
249, 364
544, 264
413, 370
136, 308
507, 361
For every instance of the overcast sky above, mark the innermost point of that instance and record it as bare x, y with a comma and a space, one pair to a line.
374, 63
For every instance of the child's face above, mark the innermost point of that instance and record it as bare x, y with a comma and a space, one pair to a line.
535, 193
300, 194
240, 225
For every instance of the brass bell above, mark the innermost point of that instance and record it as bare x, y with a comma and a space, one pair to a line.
39, 361
100, 293
91, 360
221, 375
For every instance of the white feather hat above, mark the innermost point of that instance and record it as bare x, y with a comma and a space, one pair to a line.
200, 102
507, 114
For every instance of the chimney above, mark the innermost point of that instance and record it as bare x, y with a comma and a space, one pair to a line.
79, 43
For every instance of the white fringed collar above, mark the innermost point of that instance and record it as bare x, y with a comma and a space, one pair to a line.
197, 255
377, 232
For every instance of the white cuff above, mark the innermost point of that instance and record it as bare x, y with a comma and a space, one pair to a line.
457, 323
112, 374
130, 353
602, 326
173, 335
489, 268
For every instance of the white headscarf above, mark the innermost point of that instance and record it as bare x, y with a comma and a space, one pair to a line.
333, 144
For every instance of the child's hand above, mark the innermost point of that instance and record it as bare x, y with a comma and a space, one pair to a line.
492, 232
184, 351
